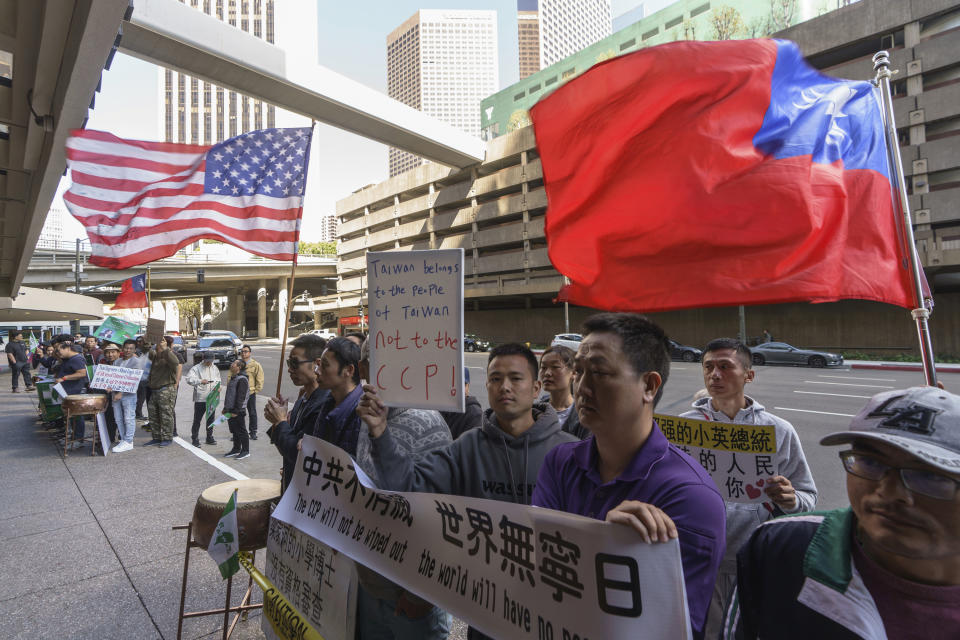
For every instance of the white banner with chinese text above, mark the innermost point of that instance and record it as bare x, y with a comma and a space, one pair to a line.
510, 570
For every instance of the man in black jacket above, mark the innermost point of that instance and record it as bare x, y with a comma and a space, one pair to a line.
287, 427
888, 566
235, 403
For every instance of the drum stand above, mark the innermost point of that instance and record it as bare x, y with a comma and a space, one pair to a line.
68, 431
240, 610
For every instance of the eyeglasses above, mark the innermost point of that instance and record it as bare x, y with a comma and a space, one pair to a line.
925, 483
293, 364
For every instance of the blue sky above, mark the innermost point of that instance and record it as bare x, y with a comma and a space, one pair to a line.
352, 41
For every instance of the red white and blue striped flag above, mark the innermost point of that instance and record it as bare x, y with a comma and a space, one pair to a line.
142, 201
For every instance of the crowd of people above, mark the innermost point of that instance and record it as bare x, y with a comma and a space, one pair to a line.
576, 432
64, 358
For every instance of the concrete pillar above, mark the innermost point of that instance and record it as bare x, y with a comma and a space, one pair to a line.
234, 311
262, 310
282, 299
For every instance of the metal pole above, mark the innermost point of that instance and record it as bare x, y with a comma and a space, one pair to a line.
881, 64
76, 268
286, 324
148, 293
566, 309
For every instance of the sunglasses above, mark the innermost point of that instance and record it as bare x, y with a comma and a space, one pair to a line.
925, 483
293, 364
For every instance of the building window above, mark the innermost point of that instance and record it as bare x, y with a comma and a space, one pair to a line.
629, 43
701, 9
651, 33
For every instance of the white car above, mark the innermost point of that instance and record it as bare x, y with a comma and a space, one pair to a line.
571, 340
326, 334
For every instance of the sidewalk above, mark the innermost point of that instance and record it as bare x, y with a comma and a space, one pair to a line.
88, 551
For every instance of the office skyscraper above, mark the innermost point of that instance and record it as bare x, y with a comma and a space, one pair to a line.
442, 62
198, 112
551, 30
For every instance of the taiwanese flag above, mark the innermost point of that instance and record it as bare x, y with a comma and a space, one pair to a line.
133, 293
701, 174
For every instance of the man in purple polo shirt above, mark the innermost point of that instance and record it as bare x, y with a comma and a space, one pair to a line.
628, 472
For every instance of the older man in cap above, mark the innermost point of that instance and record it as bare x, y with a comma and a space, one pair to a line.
887, 566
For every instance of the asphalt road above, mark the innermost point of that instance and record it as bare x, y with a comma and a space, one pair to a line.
815, 401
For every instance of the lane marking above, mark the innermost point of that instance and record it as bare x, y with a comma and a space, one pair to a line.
209, 459
846, 384
839, 395
849, 378
825, 413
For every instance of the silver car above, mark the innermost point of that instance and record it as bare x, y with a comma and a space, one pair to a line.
783, 353
571, 340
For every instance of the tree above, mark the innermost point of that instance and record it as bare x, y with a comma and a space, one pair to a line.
782, 14
317, 248
727, 23
757, 28
190, 308
689, 29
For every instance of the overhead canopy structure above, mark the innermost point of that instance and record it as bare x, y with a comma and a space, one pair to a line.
51, 57
47, 305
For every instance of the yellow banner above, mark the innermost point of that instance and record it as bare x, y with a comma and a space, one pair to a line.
287, 622
720, 436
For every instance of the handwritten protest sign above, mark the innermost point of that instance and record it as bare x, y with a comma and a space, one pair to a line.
112, 378
739, 457
416, 323
213, 401
318, 581
510, 570
154, 332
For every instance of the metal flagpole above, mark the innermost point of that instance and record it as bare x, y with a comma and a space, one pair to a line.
881, 64
148, 292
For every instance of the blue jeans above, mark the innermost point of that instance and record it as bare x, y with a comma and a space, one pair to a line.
376, 620
125, 413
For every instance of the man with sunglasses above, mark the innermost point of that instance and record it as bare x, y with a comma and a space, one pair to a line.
888, 566
287, 428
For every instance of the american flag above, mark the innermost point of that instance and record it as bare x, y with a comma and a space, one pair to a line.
142, 201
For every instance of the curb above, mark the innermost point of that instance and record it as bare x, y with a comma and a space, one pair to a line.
885, 366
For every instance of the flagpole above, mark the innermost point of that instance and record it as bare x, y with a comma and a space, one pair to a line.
286, 324
148, 292
881, 64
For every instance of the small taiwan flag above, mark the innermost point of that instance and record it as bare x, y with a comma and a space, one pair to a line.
133, 293
224, 543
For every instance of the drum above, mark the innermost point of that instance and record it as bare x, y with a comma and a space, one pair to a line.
254, 498
84, 404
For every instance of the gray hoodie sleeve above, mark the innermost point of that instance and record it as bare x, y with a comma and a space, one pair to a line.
436, 472
794, 467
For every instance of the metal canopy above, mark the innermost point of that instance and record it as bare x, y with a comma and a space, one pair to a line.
174, 35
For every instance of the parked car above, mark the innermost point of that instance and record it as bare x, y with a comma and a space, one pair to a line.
571, 340
179, 348
222, 347
472, 343
683, 352
210, 333
783, 353
326, 334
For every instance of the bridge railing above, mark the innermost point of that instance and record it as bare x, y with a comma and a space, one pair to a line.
60, 252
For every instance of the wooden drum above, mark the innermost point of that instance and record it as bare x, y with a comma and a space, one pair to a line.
254, 498
85, 404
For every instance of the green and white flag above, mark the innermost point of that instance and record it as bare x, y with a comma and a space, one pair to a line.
33, 343
225, 542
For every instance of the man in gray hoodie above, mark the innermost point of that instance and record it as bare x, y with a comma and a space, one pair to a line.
498, 461
727, 368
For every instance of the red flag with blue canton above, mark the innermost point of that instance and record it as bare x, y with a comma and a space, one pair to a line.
133, 293
701, 174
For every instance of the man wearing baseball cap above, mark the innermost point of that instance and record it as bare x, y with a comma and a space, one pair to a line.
888, 566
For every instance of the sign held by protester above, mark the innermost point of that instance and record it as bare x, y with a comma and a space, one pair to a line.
319, 582
116, 330
154, 332
510, 570
112, 378
739, 457
416, 327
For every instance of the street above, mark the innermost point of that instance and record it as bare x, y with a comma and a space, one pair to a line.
815, 401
